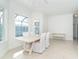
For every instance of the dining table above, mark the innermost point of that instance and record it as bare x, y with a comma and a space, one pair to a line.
28, 42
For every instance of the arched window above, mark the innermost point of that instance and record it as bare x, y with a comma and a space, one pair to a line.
21, 25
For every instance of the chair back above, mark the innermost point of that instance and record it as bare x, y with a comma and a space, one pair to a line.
25, 34
47, 35
47, 40
42, 37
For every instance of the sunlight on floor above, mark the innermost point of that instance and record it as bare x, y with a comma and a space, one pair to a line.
17, 54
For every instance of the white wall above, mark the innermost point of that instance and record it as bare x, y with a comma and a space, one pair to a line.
15, 8
61, 24
45, 23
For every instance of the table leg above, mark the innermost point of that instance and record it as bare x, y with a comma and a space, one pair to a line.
24, 46
28, 47
30, 51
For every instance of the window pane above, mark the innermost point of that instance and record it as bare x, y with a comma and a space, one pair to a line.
25, 20
1, 25
36, 28
19, 18
18, 31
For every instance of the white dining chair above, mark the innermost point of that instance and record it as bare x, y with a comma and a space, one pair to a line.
25, 34
39, 46
47, 40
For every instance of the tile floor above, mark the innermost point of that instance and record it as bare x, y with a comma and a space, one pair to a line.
59, 49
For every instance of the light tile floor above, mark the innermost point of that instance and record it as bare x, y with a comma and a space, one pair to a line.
59, 49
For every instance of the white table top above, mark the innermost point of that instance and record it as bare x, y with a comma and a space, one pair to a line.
29, 39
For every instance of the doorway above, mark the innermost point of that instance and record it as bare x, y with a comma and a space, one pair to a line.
75, 27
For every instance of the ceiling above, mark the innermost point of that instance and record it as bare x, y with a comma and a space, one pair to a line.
51, 6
